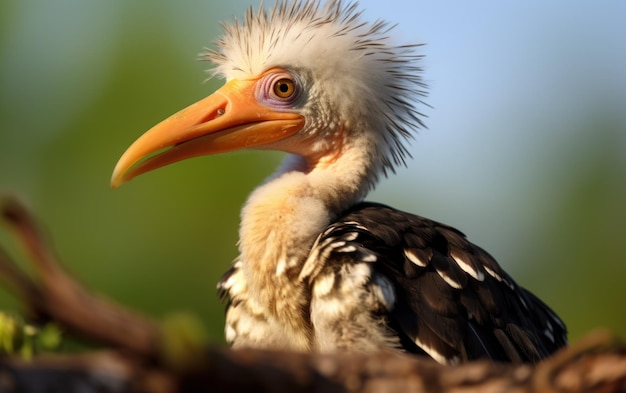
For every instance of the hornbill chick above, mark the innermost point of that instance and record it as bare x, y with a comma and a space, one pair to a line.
319, 269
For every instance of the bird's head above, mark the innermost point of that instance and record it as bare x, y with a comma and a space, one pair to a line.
304, 78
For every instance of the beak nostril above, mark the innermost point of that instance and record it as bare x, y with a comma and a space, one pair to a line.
215, 114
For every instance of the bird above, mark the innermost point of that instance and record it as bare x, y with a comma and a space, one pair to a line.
320, 269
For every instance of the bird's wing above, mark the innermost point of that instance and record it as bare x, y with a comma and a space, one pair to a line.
426, 287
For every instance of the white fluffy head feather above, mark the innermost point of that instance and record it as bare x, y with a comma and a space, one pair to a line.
355, 74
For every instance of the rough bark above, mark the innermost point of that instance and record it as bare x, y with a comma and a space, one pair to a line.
135, 354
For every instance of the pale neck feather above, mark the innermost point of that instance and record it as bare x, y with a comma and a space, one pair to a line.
282, 217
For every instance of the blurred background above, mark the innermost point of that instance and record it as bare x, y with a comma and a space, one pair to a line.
525, 151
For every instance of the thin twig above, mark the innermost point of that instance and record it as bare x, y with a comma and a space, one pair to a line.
59, 295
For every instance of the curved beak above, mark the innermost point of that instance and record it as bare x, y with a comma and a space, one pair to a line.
229, 119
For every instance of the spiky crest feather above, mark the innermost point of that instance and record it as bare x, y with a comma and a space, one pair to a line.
343, 53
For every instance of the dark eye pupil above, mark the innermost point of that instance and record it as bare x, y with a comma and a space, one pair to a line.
283, 87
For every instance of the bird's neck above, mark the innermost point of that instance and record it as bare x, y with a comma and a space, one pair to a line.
282, 218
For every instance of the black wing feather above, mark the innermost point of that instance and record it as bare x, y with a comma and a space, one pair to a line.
452, 297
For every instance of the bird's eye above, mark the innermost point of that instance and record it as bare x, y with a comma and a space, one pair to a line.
284, 88
279, 89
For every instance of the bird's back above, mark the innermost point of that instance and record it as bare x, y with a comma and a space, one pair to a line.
380, 277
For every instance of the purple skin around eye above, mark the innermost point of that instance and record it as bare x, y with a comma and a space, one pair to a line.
265, 92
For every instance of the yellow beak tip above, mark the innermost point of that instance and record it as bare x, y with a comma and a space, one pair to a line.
117, 180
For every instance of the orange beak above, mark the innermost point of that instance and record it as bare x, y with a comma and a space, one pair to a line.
229, 119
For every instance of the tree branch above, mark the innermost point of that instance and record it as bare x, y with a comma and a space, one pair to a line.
60, 297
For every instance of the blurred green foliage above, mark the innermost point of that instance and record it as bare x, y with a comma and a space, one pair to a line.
24, 339
78, 89
582, 243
